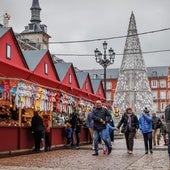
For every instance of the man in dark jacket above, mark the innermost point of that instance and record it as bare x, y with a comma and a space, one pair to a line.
167, 119
37, 129
100, 115
156, 125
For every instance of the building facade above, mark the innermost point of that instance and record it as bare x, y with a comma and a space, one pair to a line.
158, 81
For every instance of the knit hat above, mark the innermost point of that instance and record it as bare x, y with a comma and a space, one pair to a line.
146, 110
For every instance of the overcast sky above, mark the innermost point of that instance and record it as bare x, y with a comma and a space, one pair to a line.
91, 19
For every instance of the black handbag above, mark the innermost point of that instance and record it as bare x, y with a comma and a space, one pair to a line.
124, 129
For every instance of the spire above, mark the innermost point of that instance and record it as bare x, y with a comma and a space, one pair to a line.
133, 88
35, 12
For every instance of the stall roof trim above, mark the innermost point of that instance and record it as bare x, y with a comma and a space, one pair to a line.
33, 57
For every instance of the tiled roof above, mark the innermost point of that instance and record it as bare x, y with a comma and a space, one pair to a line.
3, 31
95, 84
62, 69
81, 76
159, 71
33, 57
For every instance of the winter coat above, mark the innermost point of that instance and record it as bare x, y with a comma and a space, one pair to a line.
167, 118
108, 129
89, 121
98, 114
78, 125
124, 120
156, 122
145, 123
73, 120
37, 123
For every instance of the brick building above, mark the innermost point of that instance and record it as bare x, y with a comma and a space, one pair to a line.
158, 81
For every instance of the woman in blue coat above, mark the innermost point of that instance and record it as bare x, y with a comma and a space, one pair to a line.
145, 125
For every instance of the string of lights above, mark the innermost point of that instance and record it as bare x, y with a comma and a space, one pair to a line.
117, 54
108, 38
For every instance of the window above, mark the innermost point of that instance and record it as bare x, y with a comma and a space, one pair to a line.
168, 84
163, 105
168, 95
46, 68
31, 27
163, 83
95, 76
162, 94
86, 85
155, 106
108, 85
154, 84
155, 95
8, 51
70, 78
108, 95
102, 76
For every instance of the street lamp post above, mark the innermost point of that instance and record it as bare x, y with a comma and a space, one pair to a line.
103, 60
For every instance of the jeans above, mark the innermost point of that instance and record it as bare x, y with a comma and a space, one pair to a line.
169, 143
147, 140
72, 136
97, 134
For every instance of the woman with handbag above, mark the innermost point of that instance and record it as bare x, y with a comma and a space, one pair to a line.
130, 126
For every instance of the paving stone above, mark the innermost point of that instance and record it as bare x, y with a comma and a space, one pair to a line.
82, 159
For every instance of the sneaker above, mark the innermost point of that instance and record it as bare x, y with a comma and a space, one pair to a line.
146, 152
109, 151
95, 154
151, 151
130, 152
104, 151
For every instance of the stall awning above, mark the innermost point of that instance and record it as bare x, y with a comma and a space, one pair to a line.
7, 70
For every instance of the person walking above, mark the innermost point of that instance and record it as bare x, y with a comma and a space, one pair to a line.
164, 130
145, 125
107, 131
167, 119
156, 125
37, 130
100, 116
130, 126
90, 124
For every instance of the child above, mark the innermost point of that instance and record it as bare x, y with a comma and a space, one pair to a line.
68, 132
107, 131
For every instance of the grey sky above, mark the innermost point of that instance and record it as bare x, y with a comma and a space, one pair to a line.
87, 19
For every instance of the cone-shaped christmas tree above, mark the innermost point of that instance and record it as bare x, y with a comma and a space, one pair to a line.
133, 88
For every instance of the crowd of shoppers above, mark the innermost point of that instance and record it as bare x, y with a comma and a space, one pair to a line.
100, 124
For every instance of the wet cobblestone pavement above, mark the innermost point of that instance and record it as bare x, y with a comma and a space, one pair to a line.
82, 159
